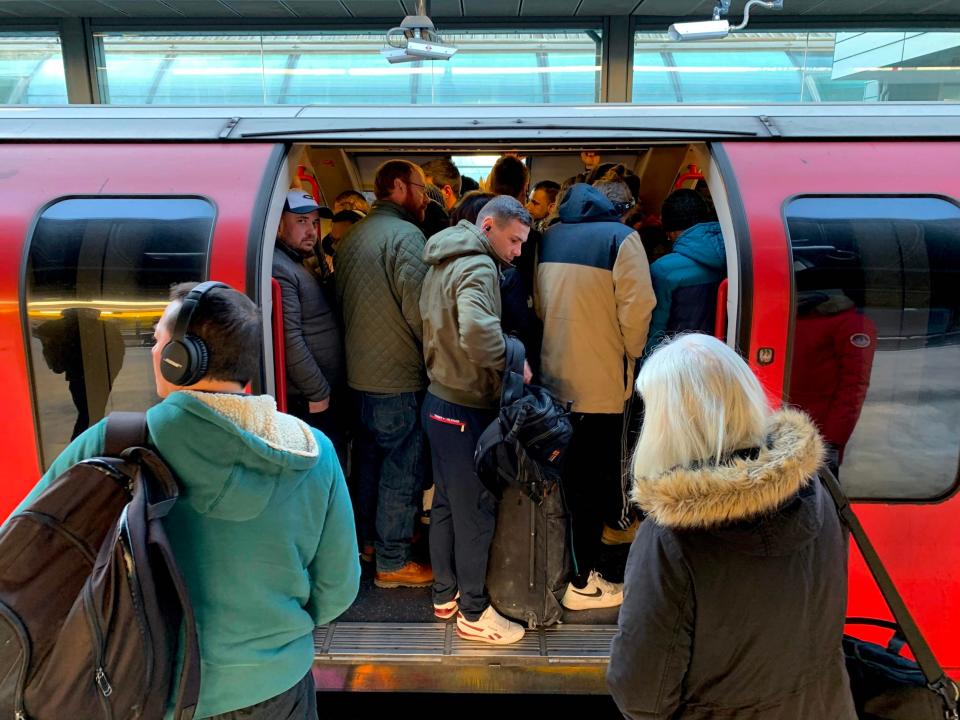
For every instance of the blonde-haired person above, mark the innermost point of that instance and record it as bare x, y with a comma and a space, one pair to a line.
736, 584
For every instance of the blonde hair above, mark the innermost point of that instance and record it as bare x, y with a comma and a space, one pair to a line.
701, 403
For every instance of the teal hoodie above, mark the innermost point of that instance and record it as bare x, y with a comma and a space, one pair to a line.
263, 533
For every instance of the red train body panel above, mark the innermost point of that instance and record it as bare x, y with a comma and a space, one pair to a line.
32, 176
919, 542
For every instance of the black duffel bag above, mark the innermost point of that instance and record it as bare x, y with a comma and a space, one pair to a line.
526, 444
885, 685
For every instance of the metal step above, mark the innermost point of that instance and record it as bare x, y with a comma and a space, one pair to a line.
431, 657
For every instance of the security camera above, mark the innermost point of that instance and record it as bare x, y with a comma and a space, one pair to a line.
718, 27
430, 50
700, 30
415, 39
417, 50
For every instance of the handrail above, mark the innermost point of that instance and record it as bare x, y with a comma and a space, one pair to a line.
720, 322
279, 349
692, 173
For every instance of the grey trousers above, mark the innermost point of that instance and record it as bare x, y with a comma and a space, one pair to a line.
297, 703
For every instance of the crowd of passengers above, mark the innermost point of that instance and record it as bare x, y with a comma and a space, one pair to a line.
605, 296
394, 328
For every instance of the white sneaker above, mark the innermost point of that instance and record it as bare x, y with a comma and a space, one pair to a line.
598, 593
492, 627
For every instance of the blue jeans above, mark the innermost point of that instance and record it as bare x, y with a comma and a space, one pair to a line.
389, 467
463, 516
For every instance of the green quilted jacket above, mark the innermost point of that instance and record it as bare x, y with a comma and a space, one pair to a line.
380, 271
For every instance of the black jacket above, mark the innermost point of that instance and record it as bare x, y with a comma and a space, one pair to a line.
735, 591
311, 334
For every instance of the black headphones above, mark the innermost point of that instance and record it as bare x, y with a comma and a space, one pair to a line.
183, 360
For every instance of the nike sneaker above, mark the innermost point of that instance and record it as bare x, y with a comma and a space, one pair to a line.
598, 593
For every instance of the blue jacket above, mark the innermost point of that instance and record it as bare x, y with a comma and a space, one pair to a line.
594, 295
685, 281
263, 533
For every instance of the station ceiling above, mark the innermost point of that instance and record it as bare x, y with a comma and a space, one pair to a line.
346, 9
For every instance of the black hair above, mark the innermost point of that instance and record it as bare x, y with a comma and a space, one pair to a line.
509, 177
550, 187
683, 209
230, 326
469, 206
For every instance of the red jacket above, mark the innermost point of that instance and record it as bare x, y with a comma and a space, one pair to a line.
833, 348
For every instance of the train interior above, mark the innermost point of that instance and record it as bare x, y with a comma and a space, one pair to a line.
327, 171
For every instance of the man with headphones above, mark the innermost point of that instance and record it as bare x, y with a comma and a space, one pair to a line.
263, 531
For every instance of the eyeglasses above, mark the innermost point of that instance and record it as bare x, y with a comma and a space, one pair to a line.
416, 184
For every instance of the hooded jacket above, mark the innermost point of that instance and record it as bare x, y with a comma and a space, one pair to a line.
686, 281
380, 270
311, 334
263, 533
735, 590
460, 304
594, 295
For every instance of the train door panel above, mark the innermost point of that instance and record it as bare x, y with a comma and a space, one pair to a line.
853, 281
91, 239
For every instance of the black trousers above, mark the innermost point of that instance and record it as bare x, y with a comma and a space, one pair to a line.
593, 484
297, 703
332, 422
463, 516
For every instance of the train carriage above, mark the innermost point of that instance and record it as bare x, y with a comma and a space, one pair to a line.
844, 215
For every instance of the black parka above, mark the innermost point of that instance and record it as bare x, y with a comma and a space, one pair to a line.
735, 591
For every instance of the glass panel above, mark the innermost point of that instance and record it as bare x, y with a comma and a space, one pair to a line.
772, 67
99, 273
31, 69
876, 345
342, 68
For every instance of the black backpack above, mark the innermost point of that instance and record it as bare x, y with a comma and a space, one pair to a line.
526, 444
91, 599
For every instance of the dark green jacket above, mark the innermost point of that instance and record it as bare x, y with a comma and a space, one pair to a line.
380, 271
460, 303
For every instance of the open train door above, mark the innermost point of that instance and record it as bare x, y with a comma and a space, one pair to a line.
849, 286
92, 236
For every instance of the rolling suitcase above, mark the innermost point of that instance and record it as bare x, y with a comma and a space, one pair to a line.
530, 560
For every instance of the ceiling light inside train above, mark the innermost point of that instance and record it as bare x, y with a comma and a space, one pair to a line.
718, 27
416, 39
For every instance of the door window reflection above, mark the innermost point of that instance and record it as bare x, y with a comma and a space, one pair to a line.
99, 272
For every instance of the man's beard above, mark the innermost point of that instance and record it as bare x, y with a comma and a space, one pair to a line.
419, 212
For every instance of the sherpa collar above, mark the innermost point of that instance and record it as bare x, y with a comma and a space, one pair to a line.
741, 488
258, 415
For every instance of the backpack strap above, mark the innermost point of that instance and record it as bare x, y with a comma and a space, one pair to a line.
936, 679
512, 371
124, 430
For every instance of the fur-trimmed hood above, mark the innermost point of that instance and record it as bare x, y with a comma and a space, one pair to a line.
741, 489
235, 455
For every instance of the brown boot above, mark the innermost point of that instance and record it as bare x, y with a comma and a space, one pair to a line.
413, 574
616, 536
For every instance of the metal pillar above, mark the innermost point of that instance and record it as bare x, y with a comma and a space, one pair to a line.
79, 61
616, 67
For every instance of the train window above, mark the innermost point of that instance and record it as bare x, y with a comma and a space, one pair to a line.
31, 69
876, 342
98, 276
331, 68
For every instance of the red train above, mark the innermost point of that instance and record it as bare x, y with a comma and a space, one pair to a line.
842, 233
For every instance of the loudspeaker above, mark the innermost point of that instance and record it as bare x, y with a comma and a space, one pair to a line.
183, 360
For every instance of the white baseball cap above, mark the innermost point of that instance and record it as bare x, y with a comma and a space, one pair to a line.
301, 203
